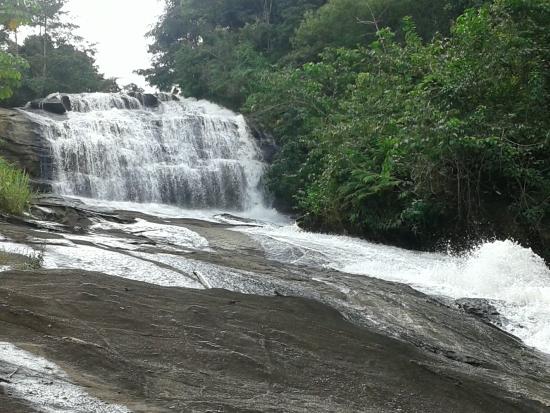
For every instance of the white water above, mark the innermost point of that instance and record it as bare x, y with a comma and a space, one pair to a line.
258, 212
188, 153
45, 385
516, 278
168, 234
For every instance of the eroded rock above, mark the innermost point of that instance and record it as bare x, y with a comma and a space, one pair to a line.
21, 143
150, 100
265, 141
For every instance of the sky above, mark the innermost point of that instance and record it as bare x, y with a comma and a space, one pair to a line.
118, 28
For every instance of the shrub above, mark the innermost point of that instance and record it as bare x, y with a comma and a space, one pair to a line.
15, 191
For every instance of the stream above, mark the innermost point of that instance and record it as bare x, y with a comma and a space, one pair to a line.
173, 197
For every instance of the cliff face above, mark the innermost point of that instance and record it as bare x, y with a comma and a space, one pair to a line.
21, 144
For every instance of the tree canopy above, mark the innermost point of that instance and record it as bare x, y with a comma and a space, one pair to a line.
223, 44
412, 122
50, 61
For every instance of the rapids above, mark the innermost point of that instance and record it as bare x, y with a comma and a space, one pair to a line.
193, 159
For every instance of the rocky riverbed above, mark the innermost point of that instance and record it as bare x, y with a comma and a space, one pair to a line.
152, 313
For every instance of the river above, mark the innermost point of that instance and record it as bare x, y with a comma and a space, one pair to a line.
172, 196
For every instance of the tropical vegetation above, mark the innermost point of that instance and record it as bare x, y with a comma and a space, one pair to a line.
51, 59
411, 122
15, 192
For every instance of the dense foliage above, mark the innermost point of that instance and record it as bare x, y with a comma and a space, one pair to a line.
217, 49
50, 61
430, 129
69, 69
13, 14
10, 73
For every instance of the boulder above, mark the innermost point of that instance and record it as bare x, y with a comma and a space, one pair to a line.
150, 100
57, 104
274, 353
137, 95
36, 104
167, 97
21, 143
126, 101
66, 100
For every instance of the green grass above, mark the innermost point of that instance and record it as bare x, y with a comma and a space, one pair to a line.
15, 190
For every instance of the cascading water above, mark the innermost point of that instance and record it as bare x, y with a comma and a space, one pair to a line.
112, 148
184, 152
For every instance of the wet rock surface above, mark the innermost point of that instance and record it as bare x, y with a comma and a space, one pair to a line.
22, 144
163, 349
266, 142
56, 104
148, 100
301, 339
481, 308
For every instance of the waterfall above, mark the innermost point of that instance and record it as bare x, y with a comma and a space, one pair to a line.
184, 152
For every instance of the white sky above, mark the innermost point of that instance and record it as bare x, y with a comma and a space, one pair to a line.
118, 28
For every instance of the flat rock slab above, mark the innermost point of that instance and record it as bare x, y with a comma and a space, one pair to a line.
156, 349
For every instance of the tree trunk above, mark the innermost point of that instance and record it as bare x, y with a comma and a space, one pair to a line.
268, 9
44, 44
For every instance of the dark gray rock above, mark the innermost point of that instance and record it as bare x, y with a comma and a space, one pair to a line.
66, 100
126, 101
481, 308
35, 104
265, 141
172, 349
54, 106
137, 95
57, 104
394, 349
147, 100
22, 144
150, 100
167, 97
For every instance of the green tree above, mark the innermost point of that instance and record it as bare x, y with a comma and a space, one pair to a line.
69, 70
217, 49
414, 143
352, 23
51, 61
10, 74
404, 121
13, 14
47, 17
